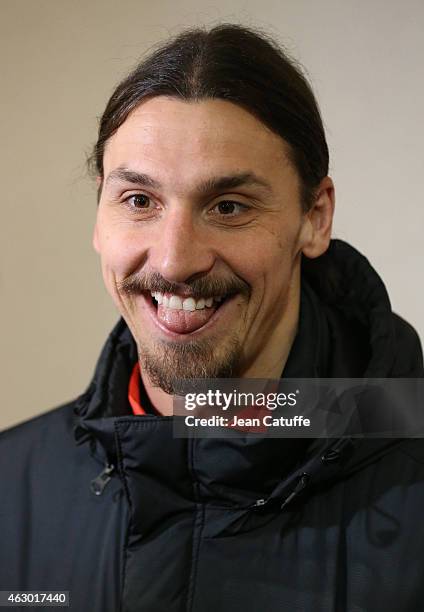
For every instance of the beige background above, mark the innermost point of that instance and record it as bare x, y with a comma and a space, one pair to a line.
60, 61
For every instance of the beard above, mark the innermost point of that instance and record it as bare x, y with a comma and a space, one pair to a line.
174, 367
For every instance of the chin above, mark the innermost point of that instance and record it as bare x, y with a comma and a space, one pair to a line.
168, 363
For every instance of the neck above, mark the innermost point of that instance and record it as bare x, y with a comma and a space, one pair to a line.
162, 402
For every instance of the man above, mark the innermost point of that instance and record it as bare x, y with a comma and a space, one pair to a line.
213, 229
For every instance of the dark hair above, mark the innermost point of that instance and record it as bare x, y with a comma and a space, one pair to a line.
232, 63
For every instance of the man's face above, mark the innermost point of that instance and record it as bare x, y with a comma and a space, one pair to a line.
200, 205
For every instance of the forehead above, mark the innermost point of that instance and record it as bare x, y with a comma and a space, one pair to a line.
181, 139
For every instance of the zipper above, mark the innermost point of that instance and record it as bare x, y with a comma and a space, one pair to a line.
302, 482
99, 483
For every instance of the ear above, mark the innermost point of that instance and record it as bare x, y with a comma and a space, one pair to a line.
96, 244
99, 183
320, 220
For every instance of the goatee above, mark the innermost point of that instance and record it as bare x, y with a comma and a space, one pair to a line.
173, 364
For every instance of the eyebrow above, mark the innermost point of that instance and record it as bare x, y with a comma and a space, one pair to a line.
232, 181
131, 176
210, 185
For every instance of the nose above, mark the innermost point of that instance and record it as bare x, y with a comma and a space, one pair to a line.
181, 250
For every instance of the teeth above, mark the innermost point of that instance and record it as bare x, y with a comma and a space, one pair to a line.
158, 296
175, 302
189, 304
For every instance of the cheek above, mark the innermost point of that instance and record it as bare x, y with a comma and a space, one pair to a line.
265, 257
121, 253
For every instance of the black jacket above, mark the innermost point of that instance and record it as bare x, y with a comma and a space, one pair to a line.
177, 526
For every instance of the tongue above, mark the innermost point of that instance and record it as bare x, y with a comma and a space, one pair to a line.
183, 321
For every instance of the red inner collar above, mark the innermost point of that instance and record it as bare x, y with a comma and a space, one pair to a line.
134, 391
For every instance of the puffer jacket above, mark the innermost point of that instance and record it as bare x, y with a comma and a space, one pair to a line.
126, 517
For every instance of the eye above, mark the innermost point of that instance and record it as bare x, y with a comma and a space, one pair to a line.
138, 201
228, 208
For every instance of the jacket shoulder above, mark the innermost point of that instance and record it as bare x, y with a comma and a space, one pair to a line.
38, 434
409, 353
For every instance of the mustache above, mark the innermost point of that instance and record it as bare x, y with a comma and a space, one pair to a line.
203, 287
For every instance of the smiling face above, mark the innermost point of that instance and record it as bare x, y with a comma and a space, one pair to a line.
200, 206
